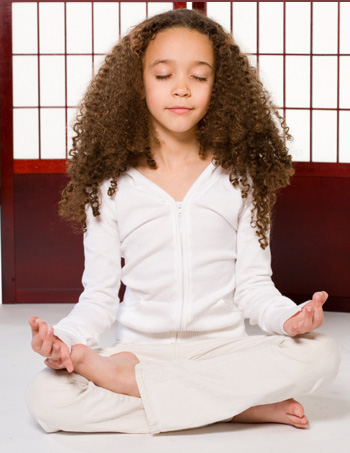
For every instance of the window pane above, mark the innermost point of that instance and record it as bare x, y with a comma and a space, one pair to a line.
271, 74
325, 17
344, 95
52, 81
79, 74
51, 20
324, 82
298, 27
79, 27
53, 133
98, 61
271, 27
298, 122
25, 81
71, 117
344, 27
158, 7
106, 26
25, 134
221, 12
324, 136
344, 137
297, 81
244, 25
24, 28
131, 15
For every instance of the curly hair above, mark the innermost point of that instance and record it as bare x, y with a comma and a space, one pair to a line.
114, 131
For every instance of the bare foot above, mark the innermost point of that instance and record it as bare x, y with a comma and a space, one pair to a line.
289, 412
115, 373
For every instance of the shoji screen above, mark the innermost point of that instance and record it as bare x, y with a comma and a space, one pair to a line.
49, 52
302, 52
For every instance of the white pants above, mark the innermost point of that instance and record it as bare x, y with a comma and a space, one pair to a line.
186, 385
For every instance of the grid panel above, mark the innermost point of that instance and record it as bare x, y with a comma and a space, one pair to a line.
313, 41
304, 59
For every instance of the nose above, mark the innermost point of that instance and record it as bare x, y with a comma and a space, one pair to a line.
181, 88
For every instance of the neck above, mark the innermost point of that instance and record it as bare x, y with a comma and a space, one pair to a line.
174, 150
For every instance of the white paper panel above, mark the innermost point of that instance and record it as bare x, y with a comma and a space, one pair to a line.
324, 83
298, 122
158, 7
25, 134
297, 81
271, 27
252, 60
324, 136
244, 25
131, 14
298, 27
25, 81
51, 27
344, 137
344, 95
325, 24
221, 13
71, 117
79, 27
53, 133
24, 28
52, 81
271, 74
98, 61
106, 26
79, 74
344, 27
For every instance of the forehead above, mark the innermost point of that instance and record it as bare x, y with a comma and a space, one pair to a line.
180, 44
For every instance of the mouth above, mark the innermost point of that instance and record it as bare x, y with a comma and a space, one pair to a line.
179, 110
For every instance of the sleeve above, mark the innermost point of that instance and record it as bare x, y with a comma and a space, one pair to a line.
256, 295
98, 304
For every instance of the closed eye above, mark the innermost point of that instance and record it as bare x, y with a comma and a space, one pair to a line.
164, 77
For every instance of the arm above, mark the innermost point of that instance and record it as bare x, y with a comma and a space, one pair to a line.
98, 304
256, 294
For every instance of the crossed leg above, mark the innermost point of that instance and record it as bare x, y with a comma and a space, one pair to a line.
117, 374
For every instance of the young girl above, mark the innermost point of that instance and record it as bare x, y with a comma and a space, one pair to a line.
175, 166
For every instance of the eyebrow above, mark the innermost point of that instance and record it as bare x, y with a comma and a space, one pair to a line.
195, 63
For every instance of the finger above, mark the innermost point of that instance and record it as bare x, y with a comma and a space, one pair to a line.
54, 364
56, 351
320, 297
65, 357
308, 320
33, 322
46, 348
38, 338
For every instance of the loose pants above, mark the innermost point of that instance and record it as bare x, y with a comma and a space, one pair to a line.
186, 384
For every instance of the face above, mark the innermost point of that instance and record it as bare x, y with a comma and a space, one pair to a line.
178, 71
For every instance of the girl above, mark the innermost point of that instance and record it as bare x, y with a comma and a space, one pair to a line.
175, 166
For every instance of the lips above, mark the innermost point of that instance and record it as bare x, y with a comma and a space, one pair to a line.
178, 110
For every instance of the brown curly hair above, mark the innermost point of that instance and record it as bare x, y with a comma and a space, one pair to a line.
114, 131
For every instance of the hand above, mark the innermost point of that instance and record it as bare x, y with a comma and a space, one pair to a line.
45, 343
309, 318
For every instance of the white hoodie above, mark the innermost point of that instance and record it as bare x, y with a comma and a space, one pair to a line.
193, 269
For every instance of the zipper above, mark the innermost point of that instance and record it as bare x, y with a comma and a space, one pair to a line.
179, 209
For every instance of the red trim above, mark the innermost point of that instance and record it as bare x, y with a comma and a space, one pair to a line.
24, 166
6, 143
311, 72
180, 5
335, 170
200, 6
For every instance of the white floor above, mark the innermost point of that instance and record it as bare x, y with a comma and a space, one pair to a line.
328, 411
